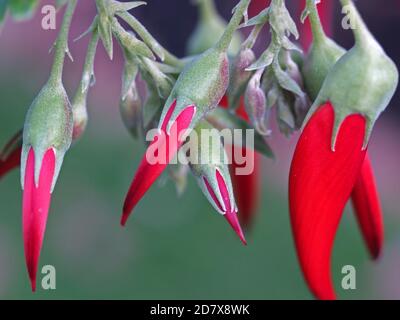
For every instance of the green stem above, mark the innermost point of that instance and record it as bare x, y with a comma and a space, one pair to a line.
166, 56
225, 40
316, 25
360, 30
61, 46
87, 73
252, 38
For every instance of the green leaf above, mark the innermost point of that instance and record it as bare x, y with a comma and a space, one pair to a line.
260, 19
285, 81
22, 9
281, 21
264, 60
224, 119
118, 7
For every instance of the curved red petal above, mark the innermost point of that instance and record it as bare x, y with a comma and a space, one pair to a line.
148, 172
35, 209
230, 213
368, 210
247, 190
320, 183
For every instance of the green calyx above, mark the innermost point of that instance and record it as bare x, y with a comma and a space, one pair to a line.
207, 156
323, 53
204, 80
362, 81
209, 28
48, 124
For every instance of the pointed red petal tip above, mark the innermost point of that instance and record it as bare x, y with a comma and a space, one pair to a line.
320, 184
35, 209
148, 172
230, 213
368, 210
232, 219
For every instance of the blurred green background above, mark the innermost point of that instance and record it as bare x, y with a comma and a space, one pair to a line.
172, 247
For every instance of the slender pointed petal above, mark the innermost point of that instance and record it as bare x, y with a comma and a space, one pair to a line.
320, 183
368, 210
230, 213
148, 172
35, 208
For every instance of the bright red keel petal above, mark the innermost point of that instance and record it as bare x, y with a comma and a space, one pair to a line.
368, 210
35, 209
147, 172
320, 183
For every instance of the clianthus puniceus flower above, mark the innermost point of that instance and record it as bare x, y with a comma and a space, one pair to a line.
322, 56
47, 135
198, 89
213, 175
332, 147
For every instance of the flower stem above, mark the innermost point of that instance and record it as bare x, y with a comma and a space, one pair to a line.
87, 72
207, 9
225, 40
164, 54
252, 38
316, 26
360, 30
61, 46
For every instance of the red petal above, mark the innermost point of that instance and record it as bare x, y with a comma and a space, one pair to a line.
367, 208
320, 183
247, 189
325, 10
230, 213
11, 162
147, 172
35, 209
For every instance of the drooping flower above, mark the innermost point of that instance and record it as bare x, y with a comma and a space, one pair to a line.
198, 89
322, 56
331, 150
208, 162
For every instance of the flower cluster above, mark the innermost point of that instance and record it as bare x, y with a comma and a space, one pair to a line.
332, 95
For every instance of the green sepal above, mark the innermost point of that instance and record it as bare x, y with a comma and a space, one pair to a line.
202, 83
130, 43
105, 26
48, 124
363, 81
225, 119
319, 61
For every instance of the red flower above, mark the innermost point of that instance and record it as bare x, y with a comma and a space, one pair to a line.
147, 172
320, 183
35, 208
